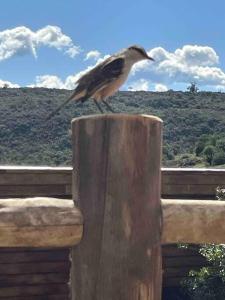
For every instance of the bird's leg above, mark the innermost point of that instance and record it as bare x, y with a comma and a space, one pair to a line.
98, 106
108, 106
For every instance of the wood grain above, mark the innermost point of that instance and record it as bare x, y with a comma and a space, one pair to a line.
193, 221
33, 290
34, 274
116, 181
39, 222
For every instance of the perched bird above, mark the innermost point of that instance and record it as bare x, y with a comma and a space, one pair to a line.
106, 78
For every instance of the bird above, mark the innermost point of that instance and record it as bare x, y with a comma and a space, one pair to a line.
105, 79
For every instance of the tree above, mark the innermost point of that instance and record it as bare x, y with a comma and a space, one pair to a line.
192, 88
199, 148
5, 86
209, 153
219, 158
220, 144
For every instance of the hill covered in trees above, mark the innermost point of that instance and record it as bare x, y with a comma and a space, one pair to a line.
194, 125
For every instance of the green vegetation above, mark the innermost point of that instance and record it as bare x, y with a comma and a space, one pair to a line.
194, 125
193, 88
208, 282
212, 148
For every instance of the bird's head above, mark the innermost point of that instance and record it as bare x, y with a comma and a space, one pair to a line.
137, 53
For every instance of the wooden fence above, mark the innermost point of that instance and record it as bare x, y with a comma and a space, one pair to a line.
35, 273
44, 273
177, 183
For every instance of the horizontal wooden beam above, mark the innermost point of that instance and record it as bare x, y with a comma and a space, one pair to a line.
177, 183
193, 221
51, 222
39, 222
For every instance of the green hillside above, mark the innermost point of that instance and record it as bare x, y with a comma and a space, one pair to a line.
27, 139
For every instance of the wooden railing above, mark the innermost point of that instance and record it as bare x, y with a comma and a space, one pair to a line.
177, 183
125, 231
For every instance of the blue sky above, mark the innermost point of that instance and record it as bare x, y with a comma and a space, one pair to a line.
48, 43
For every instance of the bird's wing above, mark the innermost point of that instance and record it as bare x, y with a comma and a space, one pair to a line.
94, 80
101, 75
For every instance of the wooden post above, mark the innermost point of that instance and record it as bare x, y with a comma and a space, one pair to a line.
116, 183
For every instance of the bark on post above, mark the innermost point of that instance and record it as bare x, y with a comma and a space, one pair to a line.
116, 183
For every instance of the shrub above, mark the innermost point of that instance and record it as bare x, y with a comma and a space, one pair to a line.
199, 148
209, 282
188, 160
192, 88
209, 153
218, 158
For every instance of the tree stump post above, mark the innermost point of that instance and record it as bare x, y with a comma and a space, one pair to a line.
116, 184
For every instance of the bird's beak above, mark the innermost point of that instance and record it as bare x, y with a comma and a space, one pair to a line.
150, 58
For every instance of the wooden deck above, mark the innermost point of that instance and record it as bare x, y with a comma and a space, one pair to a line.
44, 273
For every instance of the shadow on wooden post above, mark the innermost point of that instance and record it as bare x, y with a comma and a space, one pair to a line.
116, 183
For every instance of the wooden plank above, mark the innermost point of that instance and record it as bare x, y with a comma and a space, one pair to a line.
31, 268
190, 261
42, 297
32, 279
203, 171
184, 190
38, 211
26, 256
44, 181
172, 281
177, 272
34, 250
37, 222
117, 186
32, 190
33, 290
33, 179
175, 251
40, 236
34, 169
200, 222
194, 179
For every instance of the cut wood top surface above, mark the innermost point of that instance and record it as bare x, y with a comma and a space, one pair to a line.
120, 117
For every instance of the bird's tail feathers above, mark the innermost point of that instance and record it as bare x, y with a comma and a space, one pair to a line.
77, 96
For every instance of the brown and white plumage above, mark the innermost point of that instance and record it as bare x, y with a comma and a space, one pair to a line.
106, 78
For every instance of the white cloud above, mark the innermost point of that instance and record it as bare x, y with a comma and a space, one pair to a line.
189, 63
94, 54
161, 87
8, 84
22, 40
220, 88
48, 81
197, 55
186, 64
53, 81
139, 85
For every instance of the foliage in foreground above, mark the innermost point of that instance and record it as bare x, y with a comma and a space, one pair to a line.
209, 282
